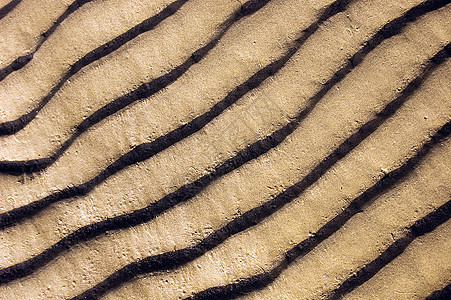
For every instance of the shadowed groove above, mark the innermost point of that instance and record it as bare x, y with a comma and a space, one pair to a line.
422, 226
28, 166
144, 91
147, 150
419, 228
22, 61
11, 127
442, 294
7, 9
173, 259
118, 258
188, 191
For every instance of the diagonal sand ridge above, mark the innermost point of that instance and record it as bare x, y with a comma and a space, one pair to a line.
292, 158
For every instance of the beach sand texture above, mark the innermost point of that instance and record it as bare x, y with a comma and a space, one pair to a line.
219, 149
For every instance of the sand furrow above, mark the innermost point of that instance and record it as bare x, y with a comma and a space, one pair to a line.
277, 149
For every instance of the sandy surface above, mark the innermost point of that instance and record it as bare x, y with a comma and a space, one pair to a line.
248, 45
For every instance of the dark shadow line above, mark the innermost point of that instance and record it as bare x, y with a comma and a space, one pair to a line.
29, 166
147, 150
419, 228
187, 191
443, 294
173, 259
22, 61
144, 91
8, 8
11, 127
262, 280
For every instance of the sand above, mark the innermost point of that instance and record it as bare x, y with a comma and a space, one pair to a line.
249, 44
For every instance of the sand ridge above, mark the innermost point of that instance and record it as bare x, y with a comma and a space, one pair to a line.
200, 189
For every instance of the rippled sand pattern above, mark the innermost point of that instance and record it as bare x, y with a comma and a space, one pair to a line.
192, 149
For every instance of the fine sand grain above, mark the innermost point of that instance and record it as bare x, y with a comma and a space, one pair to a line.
283, 149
